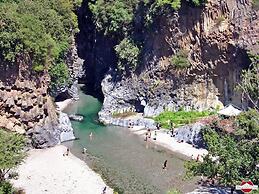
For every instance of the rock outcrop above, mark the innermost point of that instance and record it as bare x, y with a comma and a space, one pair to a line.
26, 106
217, 38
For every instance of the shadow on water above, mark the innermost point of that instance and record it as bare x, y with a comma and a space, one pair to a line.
124, 160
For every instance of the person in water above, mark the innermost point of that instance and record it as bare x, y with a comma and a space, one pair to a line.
84, 150
91, 136
146, 137
165, 165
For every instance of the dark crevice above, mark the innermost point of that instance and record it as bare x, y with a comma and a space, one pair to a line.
97, 51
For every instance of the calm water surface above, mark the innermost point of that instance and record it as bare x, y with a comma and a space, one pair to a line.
124, 160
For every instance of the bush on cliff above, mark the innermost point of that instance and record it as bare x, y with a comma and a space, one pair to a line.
128, 53
180, 60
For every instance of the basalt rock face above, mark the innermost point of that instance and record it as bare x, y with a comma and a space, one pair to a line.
27, 108
217, 39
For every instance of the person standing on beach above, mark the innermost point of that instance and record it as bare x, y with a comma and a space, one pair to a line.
146, 137
104, 190
149, 133
172, 128
66, 153
155, 135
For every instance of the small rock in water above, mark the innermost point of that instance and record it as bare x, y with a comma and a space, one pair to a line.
76, 117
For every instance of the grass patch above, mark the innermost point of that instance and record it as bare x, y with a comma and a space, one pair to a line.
181, 117
123, 115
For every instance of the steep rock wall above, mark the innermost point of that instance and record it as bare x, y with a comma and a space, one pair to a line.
26, 106
217, 39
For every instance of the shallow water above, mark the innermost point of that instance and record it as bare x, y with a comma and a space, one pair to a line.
125, 161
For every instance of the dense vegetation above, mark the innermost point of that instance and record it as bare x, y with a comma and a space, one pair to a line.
11, 155
232, 156
119, 18
37, 33
180, 118
127, 53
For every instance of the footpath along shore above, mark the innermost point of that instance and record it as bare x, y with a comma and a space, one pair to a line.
48, 171
165, 140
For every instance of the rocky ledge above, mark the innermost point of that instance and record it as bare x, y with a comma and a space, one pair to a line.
76, 117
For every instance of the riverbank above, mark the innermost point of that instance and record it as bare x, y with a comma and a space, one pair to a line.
165, 140
63, 104
48, 171
139, 126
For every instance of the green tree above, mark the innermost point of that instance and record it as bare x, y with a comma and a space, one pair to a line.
232, 157
59, 75
175, 4
113, 17
249, 86
128, 54
11, 151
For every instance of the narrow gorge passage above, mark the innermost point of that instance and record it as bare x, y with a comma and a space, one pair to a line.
124, 160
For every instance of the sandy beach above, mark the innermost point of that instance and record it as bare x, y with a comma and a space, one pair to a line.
63, 104
165, 140
48, 171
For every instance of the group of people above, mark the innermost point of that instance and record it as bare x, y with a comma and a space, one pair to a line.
148, 135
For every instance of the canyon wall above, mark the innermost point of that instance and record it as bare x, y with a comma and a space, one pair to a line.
26, 106
217, 38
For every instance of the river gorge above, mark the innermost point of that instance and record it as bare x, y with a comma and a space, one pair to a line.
125, 161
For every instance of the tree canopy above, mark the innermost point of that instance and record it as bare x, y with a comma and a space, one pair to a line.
249, 86
37, 33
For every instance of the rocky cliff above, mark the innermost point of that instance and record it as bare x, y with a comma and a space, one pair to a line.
26, 106
216, 37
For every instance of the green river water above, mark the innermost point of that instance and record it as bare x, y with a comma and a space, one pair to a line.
126, 163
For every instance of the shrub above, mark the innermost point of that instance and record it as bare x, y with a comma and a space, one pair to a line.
6, 188
11, 151
127, 53
59, 75
180, 60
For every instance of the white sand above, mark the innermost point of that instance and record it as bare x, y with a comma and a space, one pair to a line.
48, 171
165, 140
63, 104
